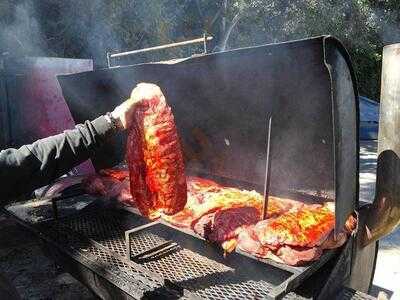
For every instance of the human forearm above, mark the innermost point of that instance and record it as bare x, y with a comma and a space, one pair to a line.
31, 166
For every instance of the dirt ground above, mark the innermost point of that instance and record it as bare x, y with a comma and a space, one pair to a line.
33, 274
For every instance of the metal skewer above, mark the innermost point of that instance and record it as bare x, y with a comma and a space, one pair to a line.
267, 171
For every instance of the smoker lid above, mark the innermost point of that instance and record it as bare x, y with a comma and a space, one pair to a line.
222, 103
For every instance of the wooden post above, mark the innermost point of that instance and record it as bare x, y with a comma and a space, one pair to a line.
384, 214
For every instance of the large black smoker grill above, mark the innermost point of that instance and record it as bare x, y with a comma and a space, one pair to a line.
222, 104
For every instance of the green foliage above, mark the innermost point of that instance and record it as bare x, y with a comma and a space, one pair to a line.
77, 28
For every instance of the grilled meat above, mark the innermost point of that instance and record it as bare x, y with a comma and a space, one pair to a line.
155, 160
119, 174
206, 196
296, 256
294, 232
223, 225
294, 247
59, 186
308, 226
108, 187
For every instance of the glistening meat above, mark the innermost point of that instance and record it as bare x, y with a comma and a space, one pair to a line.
223, 224
155, 160
206, 196
306, 227
117, 173
294, 233
295, 241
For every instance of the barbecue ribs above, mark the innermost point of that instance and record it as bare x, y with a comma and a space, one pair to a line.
155, 160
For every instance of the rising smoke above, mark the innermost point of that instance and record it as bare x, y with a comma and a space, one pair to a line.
90, 29
20, 32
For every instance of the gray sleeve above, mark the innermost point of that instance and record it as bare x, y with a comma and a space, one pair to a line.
31, 166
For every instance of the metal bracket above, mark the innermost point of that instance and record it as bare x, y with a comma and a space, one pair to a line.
165, 246
203, 40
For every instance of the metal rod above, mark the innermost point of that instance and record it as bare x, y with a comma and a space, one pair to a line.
173, 45
128, 237
108, 59
267, 171
205, 43
154, 250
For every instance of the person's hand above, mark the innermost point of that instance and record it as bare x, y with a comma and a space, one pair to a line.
143, 91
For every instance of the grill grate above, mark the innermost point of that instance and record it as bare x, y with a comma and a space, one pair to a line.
102, 235
197, 273
129, 277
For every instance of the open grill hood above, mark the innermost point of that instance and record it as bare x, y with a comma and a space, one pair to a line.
222, 103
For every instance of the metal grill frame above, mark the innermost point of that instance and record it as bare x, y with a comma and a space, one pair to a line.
124, 279
299, 274
55, 229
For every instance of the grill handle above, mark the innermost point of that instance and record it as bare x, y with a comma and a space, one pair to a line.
383, 216
203, 40
167, 245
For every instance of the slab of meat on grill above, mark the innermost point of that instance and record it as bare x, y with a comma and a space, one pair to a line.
281, 244
116, 173
199, 194
108, 187
223, 224
305, 227
206, 196
155, 159
59, 186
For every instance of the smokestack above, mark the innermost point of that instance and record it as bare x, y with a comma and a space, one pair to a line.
384, 214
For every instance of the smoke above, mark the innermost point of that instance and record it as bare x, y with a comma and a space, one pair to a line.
80, 29
20, 33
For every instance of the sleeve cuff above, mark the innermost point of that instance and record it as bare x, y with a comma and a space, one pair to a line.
103, 127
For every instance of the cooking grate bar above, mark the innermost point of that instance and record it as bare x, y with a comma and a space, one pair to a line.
163, 248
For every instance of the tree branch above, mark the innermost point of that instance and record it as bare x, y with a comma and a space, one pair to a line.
228, 32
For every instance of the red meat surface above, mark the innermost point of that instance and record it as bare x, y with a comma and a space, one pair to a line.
308, 226
293, 250
119, 174
206, 196
223, 225
108, 187
247, 241
298, 256
155, 160
59, 186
